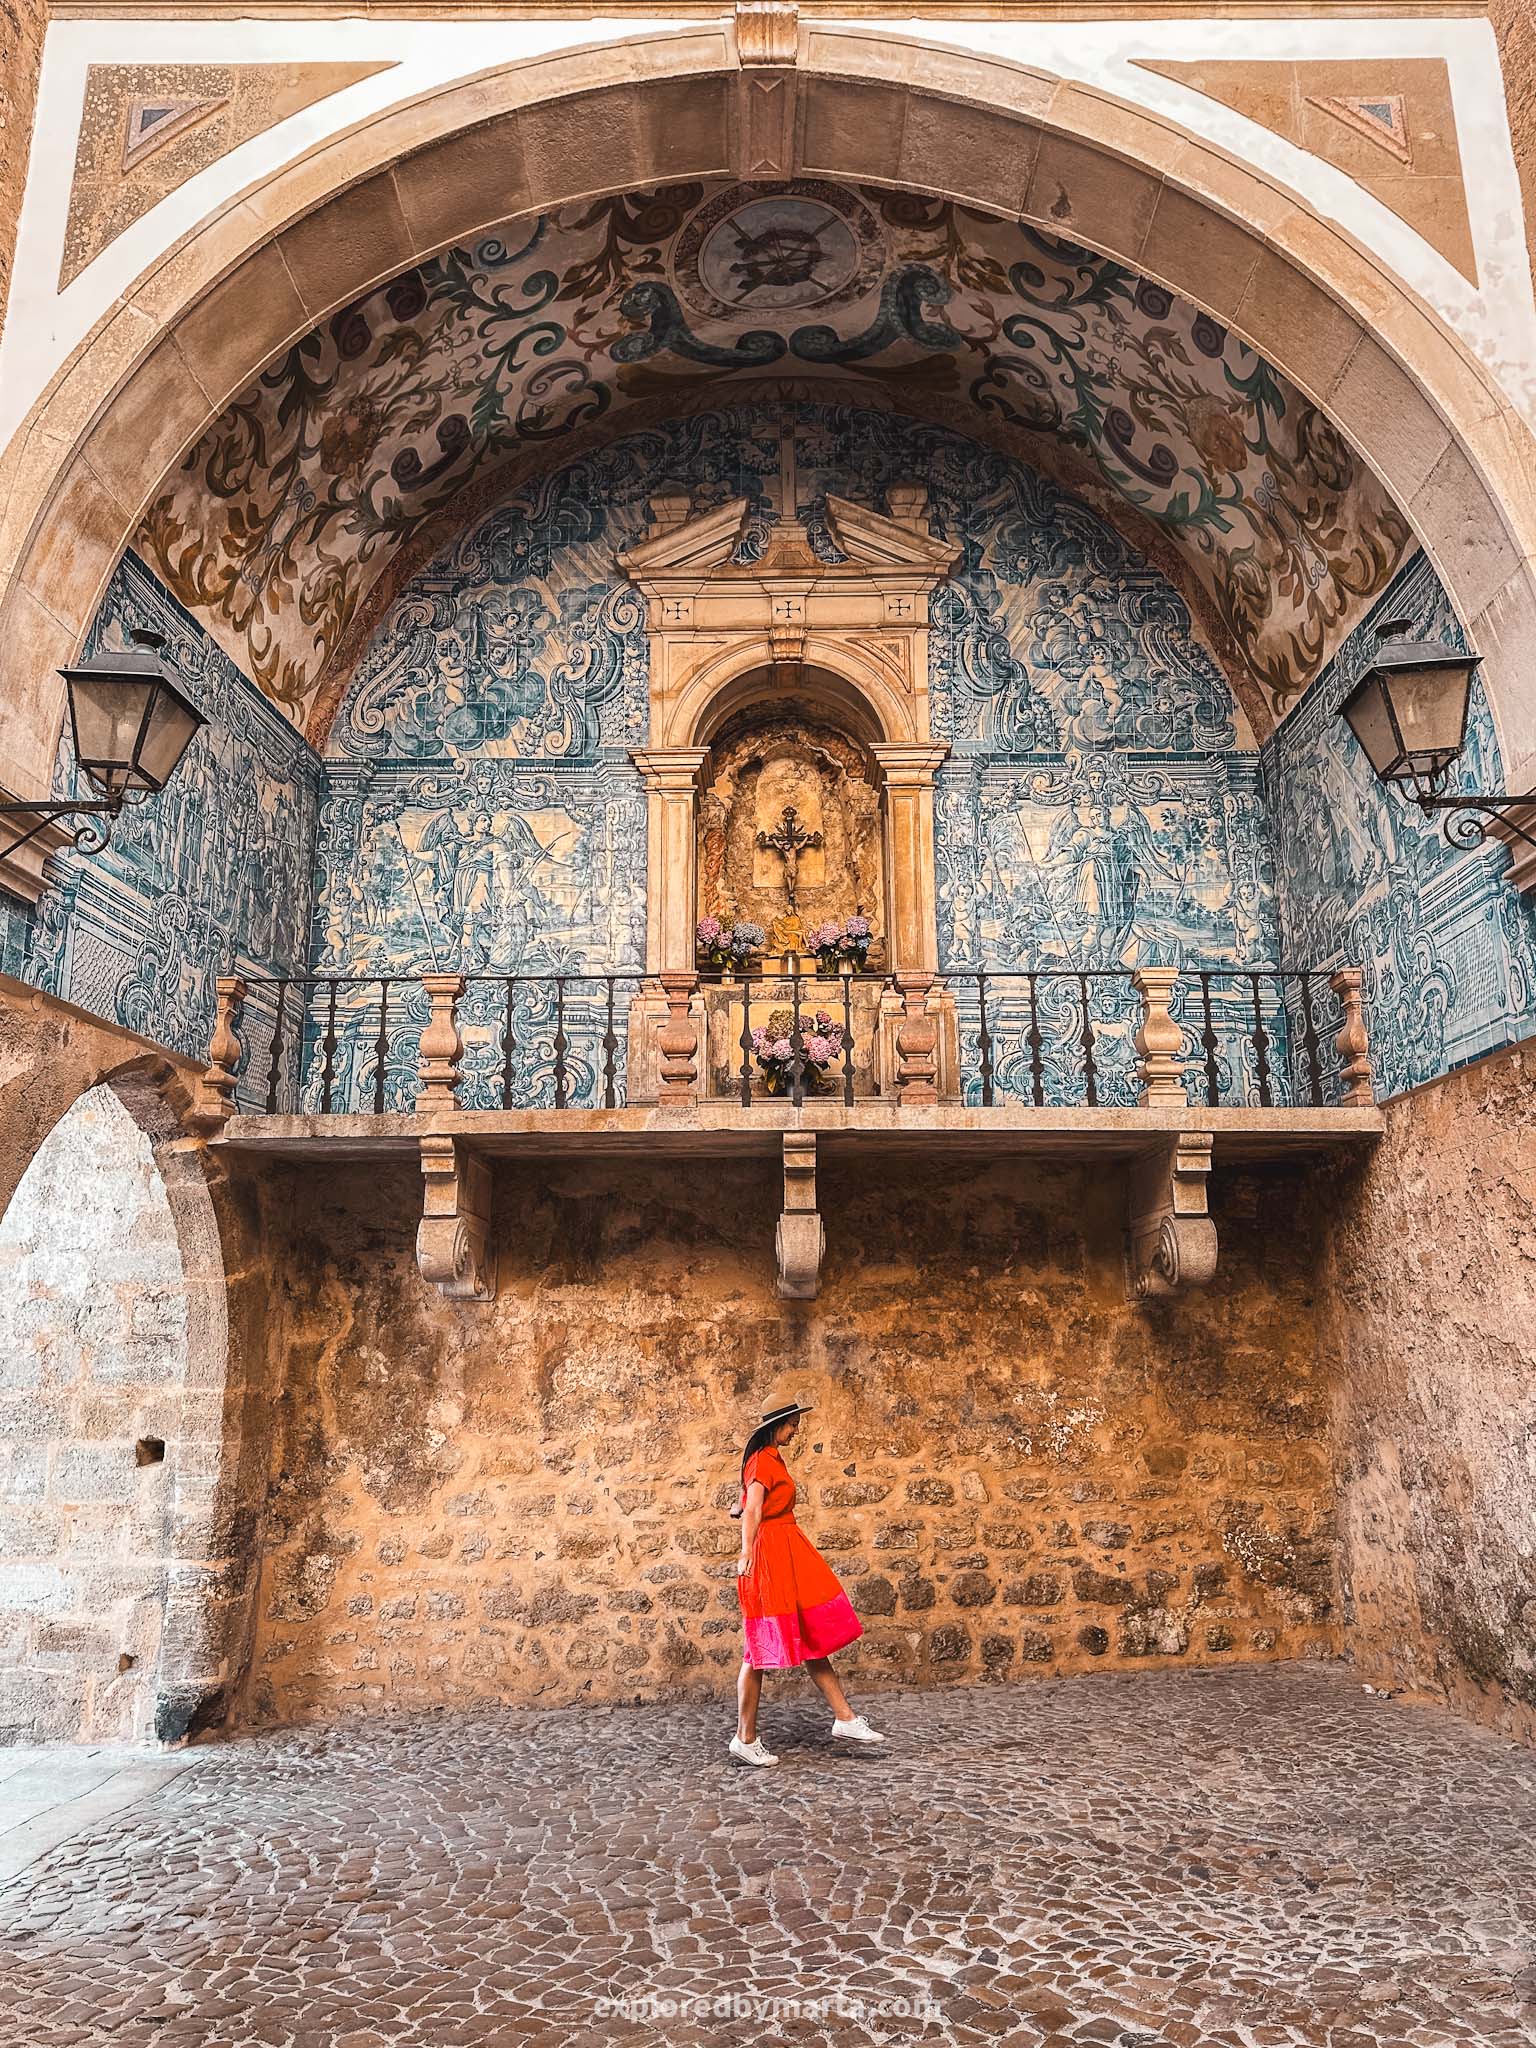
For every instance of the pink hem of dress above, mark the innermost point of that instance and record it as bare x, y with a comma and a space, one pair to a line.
776, 1642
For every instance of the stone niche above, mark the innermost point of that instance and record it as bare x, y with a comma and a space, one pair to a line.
766, 762
760, 766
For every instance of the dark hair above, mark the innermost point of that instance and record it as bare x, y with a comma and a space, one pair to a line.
759, 1440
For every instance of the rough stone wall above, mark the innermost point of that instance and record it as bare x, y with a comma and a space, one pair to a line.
22, 27
93, 1360
1014, 1471
1428, 1313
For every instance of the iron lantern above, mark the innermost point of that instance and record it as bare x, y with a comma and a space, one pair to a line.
131, 728
130, 724
1409, 709
1409, 713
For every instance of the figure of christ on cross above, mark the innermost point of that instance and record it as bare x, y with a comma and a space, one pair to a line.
789, 842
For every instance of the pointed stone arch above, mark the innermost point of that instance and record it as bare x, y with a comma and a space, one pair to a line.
858, 102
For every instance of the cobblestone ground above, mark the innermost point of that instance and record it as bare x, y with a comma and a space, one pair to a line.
1264, 1857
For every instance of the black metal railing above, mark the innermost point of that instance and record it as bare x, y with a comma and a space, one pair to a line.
1065, 1037
325, 1044
1048, 1037
802, 1073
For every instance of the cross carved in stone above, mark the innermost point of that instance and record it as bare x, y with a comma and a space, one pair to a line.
789, 842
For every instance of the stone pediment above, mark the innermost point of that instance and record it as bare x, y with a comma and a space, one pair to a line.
875, 545
687, 545
873, 541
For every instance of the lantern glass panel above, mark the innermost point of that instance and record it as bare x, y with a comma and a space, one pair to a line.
1369, 716
1431, 709
172, 723
108, 716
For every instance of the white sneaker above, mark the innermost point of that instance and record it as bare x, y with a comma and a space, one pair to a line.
751, 1752
856, 1730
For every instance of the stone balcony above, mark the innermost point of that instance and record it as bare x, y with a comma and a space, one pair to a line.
1166, 1071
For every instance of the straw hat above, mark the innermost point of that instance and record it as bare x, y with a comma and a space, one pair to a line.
784, 1410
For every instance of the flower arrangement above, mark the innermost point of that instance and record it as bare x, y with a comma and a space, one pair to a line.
728, 945
837, 946
821, 1042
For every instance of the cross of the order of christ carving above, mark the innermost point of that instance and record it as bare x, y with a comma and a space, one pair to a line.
789, 842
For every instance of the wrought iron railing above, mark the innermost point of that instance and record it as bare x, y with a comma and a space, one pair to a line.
1251, 1037
1051, 1037
323, 1044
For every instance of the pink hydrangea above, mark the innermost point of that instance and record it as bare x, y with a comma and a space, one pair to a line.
819, 1049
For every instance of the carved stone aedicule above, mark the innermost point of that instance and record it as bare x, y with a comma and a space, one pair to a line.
828, 858
840, 633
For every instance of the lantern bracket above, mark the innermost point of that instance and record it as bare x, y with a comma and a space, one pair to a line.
1468, 819
89, 837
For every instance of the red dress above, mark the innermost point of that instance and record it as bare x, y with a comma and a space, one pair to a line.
792, 1606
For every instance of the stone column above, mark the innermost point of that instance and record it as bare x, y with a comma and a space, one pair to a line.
1159, 1041
672, 789
912, 931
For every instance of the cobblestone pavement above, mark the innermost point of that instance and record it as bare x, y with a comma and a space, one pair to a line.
1265, 1857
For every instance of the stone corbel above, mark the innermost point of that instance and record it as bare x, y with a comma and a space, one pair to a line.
453, 1237
1170, 1238
801, 1237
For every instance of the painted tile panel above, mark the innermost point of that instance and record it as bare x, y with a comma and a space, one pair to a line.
1448, 948
1095, 814
210, 877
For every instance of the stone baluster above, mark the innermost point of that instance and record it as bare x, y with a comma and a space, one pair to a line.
917, 1038
441, 1046
1353, 1041
1159, 1040
678, 1041
214, 1101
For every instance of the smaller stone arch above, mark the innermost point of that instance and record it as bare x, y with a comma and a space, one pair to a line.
801, 755
117, 1237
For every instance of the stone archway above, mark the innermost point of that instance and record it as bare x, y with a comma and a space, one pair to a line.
127, 1296
842, 101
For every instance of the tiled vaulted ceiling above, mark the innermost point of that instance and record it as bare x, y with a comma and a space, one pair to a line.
296, 512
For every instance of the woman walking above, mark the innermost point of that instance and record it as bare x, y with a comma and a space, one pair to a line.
793, 1610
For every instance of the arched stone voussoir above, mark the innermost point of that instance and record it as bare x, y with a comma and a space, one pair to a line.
875, 107
52, 1053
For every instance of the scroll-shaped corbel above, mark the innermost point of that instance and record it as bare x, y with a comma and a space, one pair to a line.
1170, 1238
801, 1238
453, 1237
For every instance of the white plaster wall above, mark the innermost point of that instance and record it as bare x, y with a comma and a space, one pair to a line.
93, 1357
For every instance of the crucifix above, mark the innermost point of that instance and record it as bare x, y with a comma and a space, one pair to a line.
789, 842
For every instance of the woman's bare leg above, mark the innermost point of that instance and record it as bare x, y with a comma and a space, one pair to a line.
749, 1687
824, 1678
